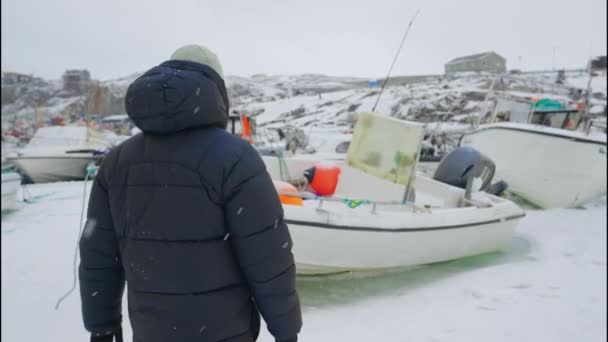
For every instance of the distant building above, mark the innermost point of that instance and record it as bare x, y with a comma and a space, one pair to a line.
76, 80
481, 62
598, 63
15, 78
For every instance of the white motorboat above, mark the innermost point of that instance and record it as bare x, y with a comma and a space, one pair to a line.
550, 166
268, 142
59, 153
330, 237
367, 226
10, 182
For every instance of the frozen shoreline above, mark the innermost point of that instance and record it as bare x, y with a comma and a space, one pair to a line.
548, 285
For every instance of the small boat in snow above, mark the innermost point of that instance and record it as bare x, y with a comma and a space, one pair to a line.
59, 153
268, 142
10, 186
10, 183
380, 220
544, 159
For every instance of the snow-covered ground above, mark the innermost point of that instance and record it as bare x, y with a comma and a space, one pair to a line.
548, 285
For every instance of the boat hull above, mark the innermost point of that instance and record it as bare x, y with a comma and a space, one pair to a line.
334, 235
324, 249
542, 166
45, 169
10, 187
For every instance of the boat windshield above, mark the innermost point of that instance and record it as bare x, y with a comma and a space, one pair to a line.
566, 119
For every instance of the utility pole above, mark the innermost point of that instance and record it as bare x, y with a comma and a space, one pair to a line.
588, 95
93, 108
38, 116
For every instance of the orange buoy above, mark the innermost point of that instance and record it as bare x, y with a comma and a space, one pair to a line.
323, 178
569, 123
283, 188
246, 129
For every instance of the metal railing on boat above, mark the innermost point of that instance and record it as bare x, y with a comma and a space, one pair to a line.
374, 204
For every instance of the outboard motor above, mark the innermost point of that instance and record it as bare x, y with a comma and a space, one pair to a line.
343, 147
462, 166
497, 188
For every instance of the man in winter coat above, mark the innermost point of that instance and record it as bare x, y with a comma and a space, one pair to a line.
188, 217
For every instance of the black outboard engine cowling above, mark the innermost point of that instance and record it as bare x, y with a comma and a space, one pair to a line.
462, 165
497, 188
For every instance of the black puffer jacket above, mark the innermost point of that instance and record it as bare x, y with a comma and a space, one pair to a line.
186, 214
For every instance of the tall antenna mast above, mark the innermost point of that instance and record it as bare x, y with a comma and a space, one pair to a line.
489, 94
407, 31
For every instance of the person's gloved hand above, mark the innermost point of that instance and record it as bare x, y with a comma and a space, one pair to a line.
108, 337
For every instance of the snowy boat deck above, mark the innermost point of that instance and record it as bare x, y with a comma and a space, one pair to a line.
549, 284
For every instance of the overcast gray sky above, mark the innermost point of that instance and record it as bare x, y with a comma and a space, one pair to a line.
114, 38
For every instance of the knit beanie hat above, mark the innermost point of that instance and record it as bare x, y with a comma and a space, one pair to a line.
199, 54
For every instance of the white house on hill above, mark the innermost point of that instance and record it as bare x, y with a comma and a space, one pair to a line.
481, 62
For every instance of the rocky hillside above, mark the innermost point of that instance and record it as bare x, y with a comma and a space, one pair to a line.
438, 99
313, 99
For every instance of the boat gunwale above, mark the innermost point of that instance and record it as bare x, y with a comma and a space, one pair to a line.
13, 178
67, 156
555, 135
399, 230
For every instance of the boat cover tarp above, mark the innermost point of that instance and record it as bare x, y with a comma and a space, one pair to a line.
548, 105
385, 147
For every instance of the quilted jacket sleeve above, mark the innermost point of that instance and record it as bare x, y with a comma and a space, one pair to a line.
101, 274
262, 243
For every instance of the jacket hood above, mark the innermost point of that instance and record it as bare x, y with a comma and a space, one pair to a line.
177, 95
